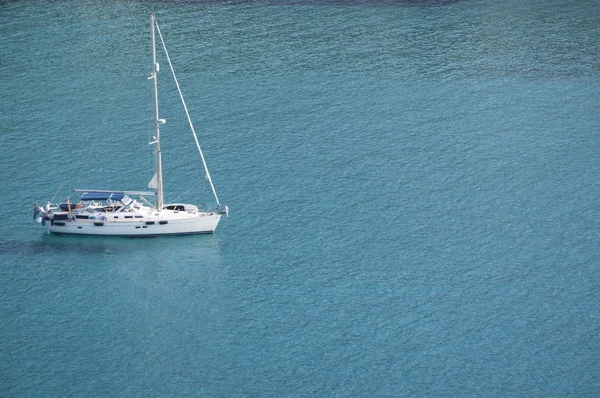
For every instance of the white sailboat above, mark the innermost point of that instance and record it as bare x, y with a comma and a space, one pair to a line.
130, 213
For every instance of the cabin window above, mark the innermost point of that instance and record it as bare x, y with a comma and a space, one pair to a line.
175, 207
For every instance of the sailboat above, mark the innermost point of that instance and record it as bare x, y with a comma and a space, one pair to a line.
132, 213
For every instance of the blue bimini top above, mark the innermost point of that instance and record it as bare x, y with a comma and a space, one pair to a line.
102, 195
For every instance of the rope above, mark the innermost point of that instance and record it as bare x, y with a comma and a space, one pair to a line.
188, 115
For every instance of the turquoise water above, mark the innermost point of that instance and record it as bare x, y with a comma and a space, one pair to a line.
413, 190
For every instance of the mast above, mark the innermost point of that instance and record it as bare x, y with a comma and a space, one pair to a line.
157, 120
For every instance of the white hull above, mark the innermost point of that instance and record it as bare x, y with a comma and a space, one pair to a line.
165, 223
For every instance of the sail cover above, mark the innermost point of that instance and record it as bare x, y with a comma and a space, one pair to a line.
102, 195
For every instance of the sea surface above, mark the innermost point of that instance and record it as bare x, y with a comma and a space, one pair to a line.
414, 194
